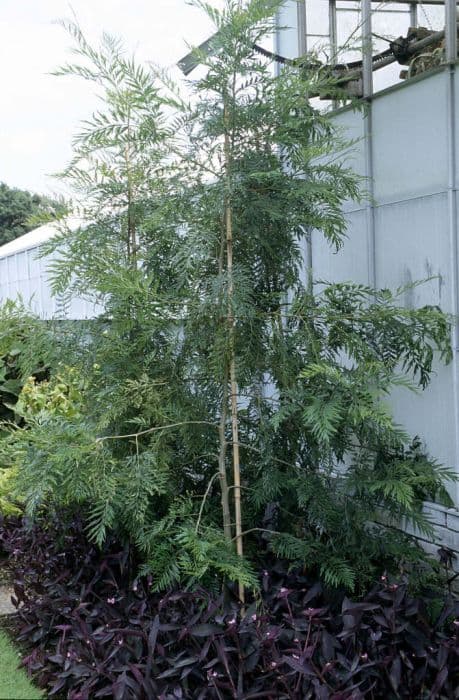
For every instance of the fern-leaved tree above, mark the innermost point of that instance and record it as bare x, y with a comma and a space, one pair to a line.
220, 408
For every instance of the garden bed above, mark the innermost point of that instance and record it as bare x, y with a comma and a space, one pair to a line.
94, 630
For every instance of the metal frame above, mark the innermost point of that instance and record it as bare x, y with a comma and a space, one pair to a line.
367, 9
404, 2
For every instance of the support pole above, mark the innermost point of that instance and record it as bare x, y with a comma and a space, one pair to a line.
367, 49
451, 30
451, 57
302, 50
333, 35
368, 138
333, 31
302, 28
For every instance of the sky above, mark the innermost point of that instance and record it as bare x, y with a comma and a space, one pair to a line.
39, 113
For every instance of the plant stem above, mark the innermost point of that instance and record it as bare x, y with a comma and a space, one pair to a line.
154, 430
203, 502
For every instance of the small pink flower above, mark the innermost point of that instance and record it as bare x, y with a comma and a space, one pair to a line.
273, 664
283, 592
111, 601
120, 642
253, 617
295, 656
232, 621
364, 657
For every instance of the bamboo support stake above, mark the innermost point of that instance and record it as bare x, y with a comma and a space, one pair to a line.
234, 411
227, 529
232, 360
222, 463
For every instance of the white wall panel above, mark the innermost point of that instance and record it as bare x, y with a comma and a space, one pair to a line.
21, 266
34, 263
79, 308
3, 275
412, 244
350, 125
287, 39
46, 299
430, 414
350, 262
410, 143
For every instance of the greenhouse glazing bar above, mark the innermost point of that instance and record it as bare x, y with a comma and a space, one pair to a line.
367, 49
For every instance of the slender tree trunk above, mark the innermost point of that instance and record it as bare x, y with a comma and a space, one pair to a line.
131, 228
232, 357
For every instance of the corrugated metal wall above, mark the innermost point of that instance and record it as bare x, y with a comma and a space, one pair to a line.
23, 274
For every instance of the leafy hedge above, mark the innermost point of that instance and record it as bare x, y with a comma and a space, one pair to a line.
94, 631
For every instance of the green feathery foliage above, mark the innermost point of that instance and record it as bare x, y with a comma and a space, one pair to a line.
196, 210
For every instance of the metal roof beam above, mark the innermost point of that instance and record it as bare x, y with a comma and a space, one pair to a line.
398, 2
